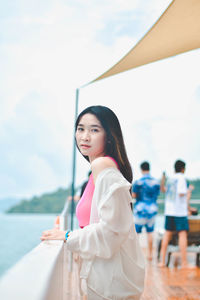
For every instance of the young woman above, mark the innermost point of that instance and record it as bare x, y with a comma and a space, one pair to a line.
112, 261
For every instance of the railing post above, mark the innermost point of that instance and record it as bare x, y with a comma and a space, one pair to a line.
74, 163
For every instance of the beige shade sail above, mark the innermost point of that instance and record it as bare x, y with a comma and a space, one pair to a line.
176, 31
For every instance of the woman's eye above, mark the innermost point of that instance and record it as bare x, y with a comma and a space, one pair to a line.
94, 130
79, 129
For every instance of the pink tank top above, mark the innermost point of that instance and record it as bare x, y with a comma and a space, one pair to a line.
83, 207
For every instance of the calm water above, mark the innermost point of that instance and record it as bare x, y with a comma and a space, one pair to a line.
20, 233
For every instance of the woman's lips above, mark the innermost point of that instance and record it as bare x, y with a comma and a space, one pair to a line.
85, 146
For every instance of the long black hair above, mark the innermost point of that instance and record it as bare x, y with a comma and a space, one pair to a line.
114, 144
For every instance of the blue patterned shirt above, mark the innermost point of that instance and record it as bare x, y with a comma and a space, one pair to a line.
147, 190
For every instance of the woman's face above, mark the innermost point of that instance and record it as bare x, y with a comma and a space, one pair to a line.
90, 137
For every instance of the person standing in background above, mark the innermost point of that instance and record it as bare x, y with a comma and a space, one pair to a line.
176, 212
146, 191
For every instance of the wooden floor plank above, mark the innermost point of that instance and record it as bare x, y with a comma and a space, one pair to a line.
171, 283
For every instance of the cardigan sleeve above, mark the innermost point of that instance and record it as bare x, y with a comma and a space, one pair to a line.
103, 239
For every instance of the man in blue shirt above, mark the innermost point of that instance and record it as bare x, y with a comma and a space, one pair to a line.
146, 191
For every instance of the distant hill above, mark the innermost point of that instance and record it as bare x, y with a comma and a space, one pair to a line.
46, 203
6, 203
54, 202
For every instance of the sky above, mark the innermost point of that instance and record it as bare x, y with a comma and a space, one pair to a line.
48, 49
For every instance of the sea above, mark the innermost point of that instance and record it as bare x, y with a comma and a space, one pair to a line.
20, 233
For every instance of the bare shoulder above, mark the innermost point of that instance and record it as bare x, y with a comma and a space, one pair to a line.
101, 163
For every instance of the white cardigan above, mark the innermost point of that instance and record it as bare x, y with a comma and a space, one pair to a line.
112, 260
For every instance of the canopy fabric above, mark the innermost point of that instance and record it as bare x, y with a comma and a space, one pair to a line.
175, 32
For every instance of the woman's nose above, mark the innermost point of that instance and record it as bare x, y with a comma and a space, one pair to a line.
85, 135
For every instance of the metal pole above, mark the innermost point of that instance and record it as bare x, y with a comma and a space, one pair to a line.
74, 164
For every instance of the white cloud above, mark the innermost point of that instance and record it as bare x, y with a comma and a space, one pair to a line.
50, 50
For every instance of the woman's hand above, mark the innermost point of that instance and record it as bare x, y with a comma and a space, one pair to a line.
53, 234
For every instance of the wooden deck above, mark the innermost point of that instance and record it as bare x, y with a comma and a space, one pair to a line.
170, 283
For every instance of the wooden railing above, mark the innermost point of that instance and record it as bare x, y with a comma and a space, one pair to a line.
42, 274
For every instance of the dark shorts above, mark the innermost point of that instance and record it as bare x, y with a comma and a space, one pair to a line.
149, 229
148, 223
176, 223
